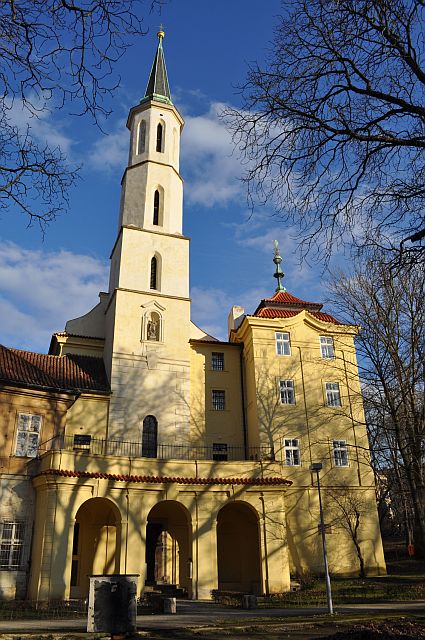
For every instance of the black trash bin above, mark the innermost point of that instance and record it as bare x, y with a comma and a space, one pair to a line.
112, 603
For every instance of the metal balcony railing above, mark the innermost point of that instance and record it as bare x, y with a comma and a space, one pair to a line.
121, 448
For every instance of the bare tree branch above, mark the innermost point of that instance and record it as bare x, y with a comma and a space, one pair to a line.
333, 127
59, 54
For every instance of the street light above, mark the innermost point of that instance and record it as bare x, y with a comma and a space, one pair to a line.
317, 467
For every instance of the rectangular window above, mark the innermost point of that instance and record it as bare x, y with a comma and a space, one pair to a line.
333, 395
327, 347
217, 361
219, 451
287, 392
292, 452
11, 544
283, 345
27, 435
82, 442
218, 400
340, 452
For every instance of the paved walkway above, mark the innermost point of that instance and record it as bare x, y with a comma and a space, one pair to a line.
196, 613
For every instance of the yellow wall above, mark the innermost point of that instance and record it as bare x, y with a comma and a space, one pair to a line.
316, 426
208, 425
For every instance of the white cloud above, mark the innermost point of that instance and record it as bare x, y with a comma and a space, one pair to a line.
110, 152
211, 168
38, 117
40, 291
211, 307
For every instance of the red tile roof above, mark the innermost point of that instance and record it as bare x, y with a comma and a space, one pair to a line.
284, 305
267, 312
65, 373
283, 297
164, 479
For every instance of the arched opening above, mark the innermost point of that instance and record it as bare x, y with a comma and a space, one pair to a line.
169, 546
156, 208
238, 548
160, 137
141, 137
149, 437
96, 543
153, 283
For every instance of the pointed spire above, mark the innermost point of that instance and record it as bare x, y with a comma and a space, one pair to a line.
278, 273
158, 87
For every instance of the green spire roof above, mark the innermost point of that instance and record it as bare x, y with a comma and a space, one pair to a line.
158, 87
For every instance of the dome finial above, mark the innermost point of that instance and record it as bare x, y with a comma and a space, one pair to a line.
278, 273
161, 32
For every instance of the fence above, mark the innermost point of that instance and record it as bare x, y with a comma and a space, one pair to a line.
121, 448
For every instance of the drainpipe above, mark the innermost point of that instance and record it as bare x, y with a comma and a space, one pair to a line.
352, 418
244, 426
266, 556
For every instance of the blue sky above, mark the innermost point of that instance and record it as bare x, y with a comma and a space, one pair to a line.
45, 281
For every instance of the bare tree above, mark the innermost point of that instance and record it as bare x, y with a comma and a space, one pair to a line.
333, 127
54, 54
390, 308
347, 507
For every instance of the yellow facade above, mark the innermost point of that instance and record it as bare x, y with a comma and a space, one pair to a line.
142, 445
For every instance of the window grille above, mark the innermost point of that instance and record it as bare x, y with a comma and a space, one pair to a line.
219, 451
11, 545
217, 361
142, 137
218, 400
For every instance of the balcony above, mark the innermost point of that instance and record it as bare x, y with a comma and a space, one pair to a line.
86, 444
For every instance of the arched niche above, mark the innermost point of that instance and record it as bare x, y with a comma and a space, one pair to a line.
238, 548
169, 545
96, 543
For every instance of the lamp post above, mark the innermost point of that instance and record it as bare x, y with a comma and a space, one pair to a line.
317, 467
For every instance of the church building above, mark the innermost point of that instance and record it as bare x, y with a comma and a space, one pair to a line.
142, 445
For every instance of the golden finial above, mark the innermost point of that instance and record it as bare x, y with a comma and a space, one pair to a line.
161, 32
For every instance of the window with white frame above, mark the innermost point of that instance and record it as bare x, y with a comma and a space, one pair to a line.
292, 452
27, 435
327, 347
287, 391
217, 361
283, 344
218, 400
11, 544
340, 453
333, 394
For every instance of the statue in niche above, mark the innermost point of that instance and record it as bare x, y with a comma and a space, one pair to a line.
152, 332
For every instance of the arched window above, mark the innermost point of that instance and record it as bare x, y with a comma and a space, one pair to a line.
154, 273
141, 140
149, 437
159, 136
156, 210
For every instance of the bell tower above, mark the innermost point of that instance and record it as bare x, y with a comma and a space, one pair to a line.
148, 315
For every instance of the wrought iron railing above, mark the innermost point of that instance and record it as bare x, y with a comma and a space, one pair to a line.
121, 448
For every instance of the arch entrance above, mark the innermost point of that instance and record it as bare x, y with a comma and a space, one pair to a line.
96, 543
169, 546
238, 548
